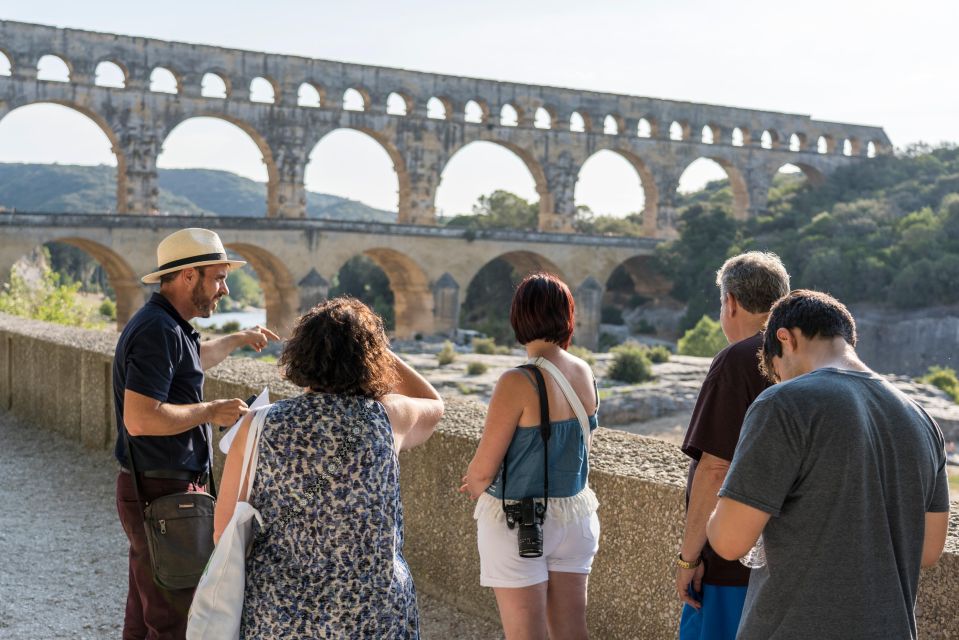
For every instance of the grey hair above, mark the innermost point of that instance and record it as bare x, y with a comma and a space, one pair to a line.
755, 279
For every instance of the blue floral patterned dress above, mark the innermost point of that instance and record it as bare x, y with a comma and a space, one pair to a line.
329, 560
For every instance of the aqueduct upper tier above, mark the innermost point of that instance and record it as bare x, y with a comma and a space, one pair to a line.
431, 116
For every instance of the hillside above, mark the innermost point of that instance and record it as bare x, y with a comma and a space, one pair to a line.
197, 192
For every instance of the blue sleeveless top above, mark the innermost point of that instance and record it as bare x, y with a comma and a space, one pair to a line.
568, 462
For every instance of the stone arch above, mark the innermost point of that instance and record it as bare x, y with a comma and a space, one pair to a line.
310, 94
356, 98
439, 108
404, 187
399, 104
737, 183
739, 137
510, 115
109, 66
412, 295
613, 124
266, 86
646, 127
579, 122
679, 130
635, 283
273, 178
121, 276
476, 111
6, 63
56, 60
532, 165
280, 292
769, 139
813, 175
544, 118
160, 75
647, 182
101, 122
711, 134
210, 82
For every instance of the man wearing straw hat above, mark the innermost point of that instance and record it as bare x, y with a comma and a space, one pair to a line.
158, 395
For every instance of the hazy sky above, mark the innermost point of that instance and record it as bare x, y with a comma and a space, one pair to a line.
881, 63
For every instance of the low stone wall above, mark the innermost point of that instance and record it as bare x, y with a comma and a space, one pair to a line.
59, 378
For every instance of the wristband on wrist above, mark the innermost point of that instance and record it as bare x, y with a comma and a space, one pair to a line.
683, 564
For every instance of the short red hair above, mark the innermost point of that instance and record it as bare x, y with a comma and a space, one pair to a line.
543, 309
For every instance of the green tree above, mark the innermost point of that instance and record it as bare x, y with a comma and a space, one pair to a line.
361, 278
46, 299
706, 339
499, 210
244, 287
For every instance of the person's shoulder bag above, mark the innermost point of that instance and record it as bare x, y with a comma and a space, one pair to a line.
218, 602
179, 528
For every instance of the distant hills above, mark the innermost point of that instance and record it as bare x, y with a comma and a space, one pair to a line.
59, 188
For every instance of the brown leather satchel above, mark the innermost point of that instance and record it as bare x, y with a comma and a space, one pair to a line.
179, 530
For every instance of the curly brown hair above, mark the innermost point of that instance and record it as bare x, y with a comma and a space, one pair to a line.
340, 346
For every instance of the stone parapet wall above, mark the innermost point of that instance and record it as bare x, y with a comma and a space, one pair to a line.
59, 378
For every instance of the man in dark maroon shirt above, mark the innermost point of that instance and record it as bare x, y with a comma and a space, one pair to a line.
713, 589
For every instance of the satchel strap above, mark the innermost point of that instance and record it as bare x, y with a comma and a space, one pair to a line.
568, 392
251, 452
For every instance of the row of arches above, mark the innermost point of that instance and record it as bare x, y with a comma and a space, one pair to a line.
351, 164
216, 84
407, 299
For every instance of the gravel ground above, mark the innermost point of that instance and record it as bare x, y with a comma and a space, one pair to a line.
63, 554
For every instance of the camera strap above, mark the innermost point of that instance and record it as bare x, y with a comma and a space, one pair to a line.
544, 431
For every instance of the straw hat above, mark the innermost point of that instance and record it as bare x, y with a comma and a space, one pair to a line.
189, 248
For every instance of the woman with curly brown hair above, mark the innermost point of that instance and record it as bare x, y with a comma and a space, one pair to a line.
328, 561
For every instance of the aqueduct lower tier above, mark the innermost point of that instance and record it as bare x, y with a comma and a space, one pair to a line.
429, 268
554, 131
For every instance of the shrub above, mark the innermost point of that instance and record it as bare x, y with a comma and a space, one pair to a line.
476, 368
706, 339
644, 326
659, 354
447, 354
108, 309
47, 299
231, 326
611, 315
630, 363
607, 341
485, 346
943, 378
582, 353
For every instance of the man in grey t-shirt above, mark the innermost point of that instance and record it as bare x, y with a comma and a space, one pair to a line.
843, 476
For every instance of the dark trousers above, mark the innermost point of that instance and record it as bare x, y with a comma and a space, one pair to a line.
152, 613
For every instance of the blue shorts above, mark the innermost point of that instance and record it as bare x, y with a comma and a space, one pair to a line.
718, 618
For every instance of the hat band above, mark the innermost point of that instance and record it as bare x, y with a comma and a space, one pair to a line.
182, 262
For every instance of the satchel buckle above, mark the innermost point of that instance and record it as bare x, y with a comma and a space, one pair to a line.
163, 526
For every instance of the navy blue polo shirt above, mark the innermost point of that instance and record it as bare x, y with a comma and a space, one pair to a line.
158, 355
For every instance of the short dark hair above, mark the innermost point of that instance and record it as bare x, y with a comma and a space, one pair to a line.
340, 346
543, 309
755, 279
815, 314
167, 278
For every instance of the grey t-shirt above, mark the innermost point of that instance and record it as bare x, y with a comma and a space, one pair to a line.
847, 466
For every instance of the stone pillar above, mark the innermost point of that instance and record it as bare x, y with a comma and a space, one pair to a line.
137, 149
287, 191
314, 289
413, 307
664, 223
558, 205
131, 295
758, 182
589, 304
446, 305
419, 177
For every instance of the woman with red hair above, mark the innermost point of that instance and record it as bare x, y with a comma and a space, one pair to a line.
537, 528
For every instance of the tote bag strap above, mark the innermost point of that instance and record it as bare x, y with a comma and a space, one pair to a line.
567, 390
251, 452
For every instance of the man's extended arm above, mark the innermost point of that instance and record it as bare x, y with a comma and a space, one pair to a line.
710, 473
734, 528
144, 416
215, 351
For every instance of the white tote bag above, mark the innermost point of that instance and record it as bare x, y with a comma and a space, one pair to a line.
218, 601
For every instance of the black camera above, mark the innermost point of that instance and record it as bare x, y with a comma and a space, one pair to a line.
529, 515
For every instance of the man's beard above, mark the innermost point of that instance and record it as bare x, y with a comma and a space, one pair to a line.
202, 302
